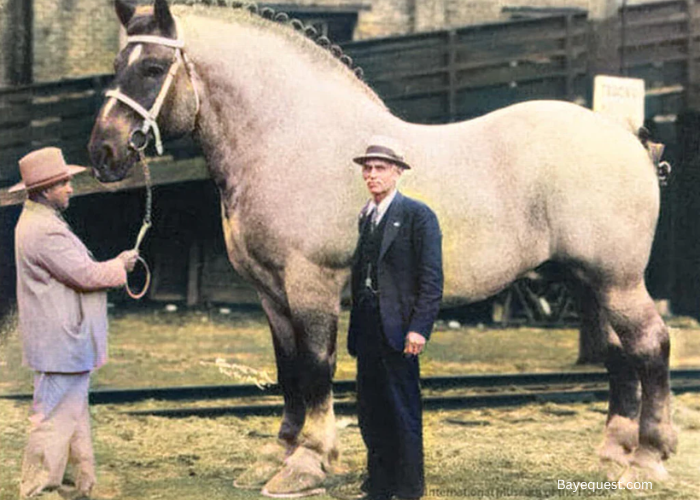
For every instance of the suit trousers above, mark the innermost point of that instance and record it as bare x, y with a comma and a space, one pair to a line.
59, 434
389, 409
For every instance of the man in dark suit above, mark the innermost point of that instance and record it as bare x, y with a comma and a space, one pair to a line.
396, 290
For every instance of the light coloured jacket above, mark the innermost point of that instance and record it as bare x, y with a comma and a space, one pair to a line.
60, 294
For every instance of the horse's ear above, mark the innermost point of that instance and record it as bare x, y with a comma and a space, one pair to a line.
124, 11
163, 17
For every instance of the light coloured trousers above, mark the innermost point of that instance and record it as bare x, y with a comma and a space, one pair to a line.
60, 431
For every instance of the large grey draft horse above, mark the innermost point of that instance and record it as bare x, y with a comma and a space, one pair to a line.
278, 118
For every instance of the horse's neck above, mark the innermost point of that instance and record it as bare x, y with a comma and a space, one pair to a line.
262, 93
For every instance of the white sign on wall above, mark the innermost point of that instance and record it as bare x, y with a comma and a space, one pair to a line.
621, 99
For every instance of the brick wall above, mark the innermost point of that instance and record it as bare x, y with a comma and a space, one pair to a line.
15, 67
77, 38
5, 34
73, 38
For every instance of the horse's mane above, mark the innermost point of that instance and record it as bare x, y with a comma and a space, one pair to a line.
267, 15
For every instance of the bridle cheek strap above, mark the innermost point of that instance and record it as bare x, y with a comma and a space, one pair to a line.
150, 116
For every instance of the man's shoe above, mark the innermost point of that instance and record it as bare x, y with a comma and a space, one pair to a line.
374, 496
72, 493
365, 487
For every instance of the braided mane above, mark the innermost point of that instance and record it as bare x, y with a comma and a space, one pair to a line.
283, 18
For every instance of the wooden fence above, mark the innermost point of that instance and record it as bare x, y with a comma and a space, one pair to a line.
452, 75
59, 114
456, 74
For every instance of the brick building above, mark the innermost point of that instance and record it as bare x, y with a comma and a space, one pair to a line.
48, 40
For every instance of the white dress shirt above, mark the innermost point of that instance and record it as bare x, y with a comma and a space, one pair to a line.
382, 207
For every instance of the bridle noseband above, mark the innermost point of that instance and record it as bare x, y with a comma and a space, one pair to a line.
138, 140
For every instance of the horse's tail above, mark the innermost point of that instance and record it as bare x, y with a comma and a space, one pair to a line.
656, 151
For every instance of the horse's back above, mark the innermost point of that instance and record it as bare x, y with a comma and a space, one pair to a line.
538, 181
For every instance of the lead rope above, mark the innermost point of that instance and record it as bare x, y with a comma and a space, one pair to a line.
145, 226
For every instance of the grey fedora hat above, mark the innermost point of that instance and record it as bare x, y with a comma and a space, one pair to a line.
383, 148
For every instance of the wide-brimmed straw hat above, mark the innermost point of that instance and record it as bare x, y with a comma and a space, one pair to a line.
383, 148
43, 168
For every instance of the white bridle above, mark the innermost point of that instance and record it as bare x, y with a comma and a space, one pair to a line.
151, 115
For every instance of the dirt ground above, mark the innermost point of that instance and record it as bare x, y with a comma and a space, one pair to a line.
527, 452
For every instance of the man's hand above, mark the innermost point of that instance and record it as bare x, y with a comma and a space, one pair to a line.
415, 342
128, 258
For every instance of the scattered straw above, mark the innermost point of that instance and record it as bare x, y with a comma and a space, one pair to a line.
242, 373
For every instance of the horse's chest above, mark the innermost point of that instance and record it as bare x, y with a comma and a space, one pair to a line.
234, 237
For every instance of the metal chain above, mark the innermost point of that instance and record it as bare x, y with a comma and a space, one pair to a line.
145, 226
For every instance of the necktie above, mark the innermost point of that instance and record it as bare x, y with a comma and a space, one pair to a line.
375, 218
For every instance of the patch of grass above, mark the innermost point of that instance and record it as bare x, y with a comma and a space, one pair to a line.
154, 348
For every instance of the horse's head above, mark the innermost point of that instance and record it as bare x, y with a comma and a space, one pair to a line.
152, 93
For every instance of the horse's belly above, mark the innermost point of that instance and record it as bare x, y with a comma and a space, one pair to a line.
477, 269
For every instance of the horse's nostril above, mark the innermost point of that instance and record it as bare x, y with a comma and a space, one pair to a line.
106, 154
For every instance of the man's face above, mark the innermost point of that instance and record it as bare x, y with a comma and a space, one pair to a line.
58, 195
381, 177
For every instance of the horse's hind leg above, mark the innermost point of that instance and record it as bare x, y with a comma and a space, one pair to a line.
271, 457
622, 426
644, 343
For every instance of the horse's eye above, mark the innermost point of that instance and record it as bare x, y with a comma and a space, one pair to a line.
153, 71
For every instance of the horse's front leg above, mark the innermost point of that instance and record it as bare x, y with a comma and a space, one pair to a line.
314, 303
271, 457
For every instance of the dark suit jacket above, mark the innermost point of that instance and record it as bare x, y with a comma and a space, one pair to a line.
409, 273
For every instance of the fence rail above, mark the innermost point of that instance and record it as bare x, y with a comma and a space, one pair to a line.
59, 114
444, 76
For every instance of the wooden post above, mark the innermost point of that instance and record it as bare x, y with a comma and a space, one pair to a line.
451, 75
691, 96
193, 268
568, 44
20, 47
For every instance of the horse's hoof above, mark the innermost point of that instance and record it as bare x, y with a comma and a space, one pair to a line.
257, 476
663, 438
629, 476
649, 464
621, 432
302, 476
271, 459
614, 453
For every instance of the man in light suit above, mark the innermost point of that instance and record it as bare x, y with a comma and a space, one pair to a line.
397, 284
62, 307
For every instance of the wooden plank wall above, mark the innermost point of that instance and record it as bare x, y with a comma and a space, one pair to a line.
452, 75
59, 114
